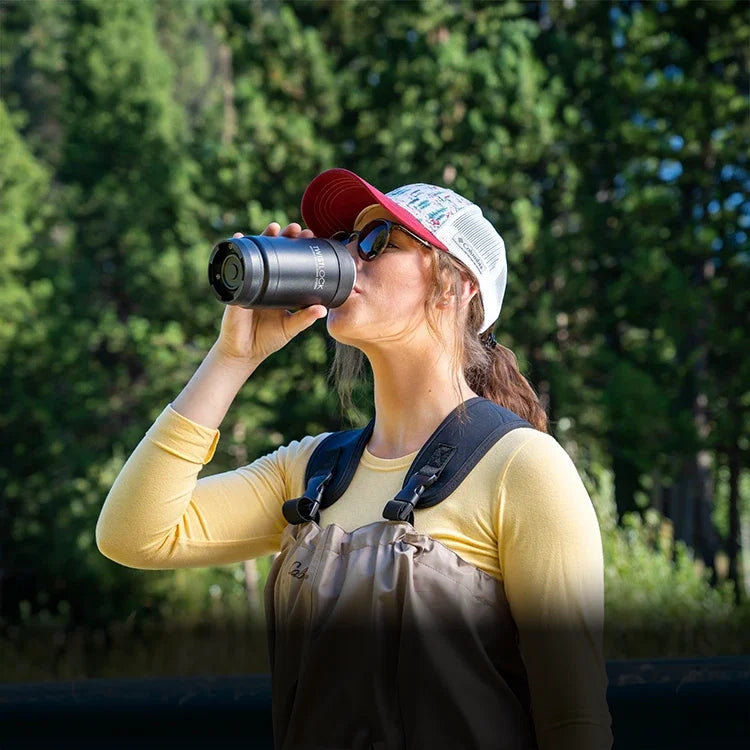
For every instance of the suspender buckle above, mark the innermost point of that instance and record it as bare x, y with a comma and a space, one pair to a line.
402, 506
305, 508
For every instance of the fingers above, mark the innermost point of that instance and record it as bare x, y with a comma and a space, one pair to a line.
296, 322
295, 230
271, 230
290, 230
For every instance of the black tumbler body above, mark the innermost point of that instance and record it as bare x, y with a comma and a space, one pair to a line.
266, 272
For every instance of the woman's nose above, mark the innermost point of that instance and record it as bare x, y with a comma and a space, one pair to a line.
352, 248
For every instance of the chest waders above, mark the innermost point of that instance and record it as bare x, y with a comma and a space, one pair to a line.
383, 638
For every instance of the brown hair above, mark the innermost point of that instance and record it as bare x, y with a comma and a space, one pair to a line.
491, 373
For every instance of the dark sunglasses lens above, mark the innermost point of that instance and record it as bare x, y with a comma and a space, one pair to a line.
341, 237
373, 240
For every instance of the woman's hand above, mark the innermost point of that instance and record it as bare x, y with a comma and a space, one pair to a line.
247, 337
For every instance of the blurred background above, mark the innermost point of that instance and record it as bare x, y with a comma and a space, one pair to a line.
607, 142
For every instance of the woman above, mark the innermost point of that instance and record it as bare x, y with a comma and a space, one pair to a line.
477, 625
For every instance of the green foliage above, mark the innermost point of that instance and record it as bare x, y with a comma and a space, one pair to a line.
22, 180
658, 600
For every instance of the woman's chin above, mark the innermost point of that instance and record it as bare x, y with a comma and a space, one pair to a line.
338, 320
343, 326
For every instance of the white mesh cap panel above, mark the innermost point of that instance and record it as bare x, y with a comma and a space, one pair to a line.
460, 226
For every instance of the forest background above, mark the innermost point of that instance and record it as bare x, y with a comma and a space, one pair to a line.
607, 141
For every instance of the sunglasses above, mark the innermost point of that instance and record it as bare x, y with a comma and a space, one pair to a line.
374, 237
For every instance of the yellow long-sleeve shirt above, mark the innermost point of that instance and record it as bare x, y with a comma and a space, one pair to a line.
522, 515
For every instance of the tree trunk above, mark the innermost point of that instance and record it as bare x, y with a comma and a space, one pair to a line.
657, 492
733, 545
626, 482
706, 537
691, 509
745, 556
252, 589
229, 124
683, 503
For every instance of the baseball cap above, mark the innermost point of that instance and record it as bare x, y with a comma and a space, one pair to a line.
445, 219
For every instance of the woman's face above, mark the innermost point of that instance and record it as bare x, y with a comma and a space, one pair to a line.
387, 303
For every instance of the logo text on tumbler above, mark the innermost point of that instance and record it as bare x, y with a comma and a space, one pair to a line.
320, 271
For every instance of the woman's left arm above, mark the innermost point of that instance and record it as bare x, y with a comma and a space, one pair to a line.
550, 551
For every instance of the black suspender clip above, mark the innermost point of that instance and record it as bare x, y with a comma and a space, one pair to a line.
402, 506
306, 508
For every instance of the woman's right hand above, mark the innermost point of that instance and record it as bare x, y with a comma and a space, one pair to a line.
248, 336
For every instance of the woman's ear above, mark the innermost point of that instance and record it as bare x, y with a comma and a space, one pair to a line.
467, 290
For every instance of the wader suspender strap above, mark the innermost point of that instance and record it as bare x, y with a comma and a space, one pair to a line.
329, 471
444, 461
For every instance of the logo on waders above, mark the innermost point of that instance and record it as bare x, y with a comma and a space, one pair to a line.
297, 571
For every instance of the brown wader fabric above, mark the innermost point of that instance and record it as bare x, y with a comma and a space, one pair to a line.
385, 639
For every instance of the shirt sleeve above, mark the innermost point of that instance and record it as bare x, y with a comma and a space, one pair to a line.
159, 515
550, 551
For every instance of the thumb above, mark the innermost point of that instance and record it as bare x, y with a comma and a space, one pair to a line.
304, 318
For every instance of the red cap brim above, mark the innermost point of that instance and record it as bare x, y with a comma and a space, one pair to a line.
334, 199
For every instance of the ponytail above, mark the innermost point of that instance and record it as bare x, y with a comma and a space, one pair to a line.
503, 383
